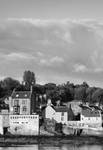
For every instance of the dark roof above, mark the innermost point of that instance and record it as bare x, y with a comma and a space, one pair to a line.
90, 113
85, 107
21, 94
61, 109
96, 107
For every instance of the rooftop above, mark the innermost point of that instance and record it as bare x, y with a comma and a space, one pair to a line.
90, 113
61, 109
21, 94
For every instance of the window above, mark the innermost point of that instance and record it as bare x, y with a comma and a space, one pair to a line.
24, 102
62, 118
16, 110
24, 108
16, 102
17, 95
62, 114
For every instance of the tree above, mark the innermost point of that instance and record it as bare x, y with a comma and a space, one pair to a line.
9, 83
29, 79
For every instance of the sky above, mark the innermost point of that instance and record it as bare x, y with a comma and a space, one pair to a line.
59, 40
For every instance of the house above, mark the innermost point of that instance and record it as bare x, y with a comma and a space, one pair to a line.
91, 118
75, 105
19, 102
22, 118
61, 114
58, 113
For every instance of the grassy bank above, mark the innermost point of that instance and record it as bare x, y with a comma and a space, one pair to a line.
53, 140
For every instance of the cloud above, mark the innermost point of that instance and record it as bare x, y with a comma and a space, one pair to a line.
65, 48
53, 62
19, 56
80, 68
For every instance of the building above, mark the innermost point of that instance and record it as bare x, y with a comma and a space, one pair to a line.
19, 102
24, 124
22, 119
4, 121
61, 114
75, 105
91, 118
58, 113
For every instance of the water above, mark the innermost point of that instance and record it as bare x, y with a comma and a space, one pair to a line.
50, 147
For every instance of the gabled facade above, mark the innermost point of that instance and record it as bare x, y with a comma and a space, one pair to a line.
20, 103
22, 120
59, 114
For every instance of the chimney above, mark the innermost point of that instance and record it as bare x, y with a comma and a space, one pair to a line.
58, 103
49, 103
31, 89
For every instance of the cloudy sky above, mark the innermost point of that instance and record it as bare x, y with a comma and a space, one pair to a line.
59, 40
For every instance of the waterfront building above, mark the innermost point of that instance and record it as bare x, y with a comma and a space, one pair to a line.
24, 124
58, 113
4, 121
91, 118
22, 118
19, 102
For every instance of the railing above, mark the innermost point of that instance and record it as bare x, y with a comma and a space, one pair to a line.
82, 125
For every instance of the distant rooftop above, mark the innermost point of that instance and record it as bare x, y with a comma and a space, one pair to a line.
21, 94
61, 109
90, 113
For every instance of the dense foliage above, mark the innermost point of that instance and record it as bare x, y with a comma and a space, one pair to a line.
64, 92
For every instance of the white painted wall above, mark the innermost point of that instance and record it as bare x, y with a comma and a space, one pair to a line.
52, 114
1, 124
61, 118
49, 112
92, 121
24, 124
11, 104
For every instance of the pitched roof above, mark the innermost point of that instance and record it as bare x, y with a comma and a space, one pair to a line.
96, 107
90, 113
61, 109
21, 94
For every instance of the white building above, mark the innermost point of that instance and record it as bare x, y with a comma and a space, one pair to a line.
58, 113
20, 118
1, 124
24, 124
91, 118
20, 102
61, 114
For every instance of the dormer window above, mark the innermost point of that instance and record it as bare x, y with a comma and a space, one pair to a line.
17, 95
25, 95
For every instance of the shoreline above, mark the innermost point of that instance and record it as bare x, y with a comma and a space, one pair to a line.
16, 140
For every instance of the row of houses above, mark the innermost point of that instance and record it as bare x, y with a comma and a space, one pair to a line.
87, 117
23, 119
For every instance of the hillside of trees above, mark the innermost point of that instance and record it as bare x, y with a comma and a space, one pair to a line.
64, 92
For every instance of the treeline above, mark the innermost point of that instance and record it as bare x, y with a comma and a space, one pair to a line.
64, 92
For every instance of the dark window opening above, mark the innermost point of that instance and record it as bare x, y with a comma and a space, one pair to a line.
5, 130
77, 117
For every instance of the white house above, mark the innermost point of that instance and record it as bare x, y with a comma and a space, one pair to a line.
21, 119
91, 118
20, 102
61, 114
58, 113
49, 112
